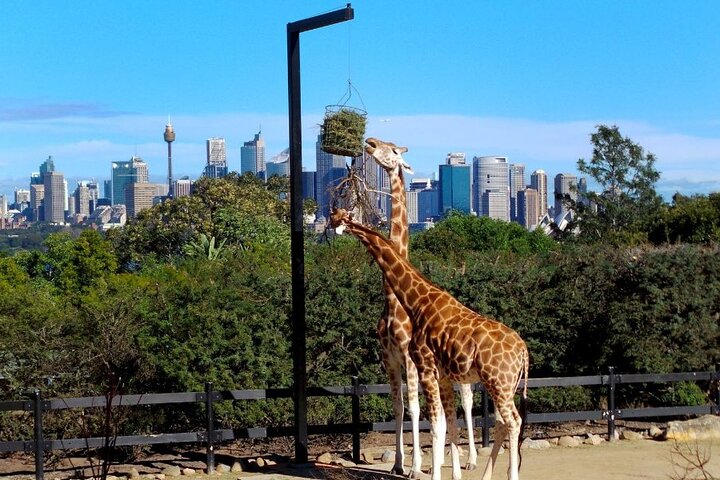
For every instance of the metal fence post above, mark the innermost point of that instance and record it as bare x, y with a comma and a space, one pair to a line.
611, 404
717, 389
356, 419
210, 427
39, 439
486, 417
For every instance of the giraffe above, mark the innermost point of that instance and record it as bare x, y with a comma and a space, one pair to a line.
451, 343
394, 328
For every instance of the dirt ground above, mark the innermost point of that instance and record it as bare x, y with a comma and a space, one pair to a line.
620, 460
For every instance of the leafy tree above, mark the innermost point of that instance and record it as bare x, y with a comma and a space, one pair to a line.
694, 219
458, 233
627, 199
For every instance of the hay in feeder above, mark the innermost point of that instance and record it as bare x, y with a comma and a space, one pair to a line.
343, 130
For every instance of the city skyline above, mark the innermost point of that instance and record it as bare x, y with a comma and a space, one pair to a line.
524, 81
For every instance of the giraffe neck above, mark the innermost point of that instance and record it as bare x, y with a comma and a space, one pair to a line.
399, 234
399, 274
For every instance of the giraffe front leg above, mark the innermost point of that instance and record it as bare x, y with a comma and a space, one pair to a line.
466, 395
414, 409
429, 380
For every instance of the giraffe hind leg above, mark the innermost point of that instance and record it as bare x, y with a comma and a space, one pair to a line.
447, 396
466, 395
499, 434
395, 374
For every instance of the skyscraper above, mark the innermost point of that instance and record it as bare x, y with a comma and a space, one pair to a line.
81, 198
182, 187
517, 184
279, 165
330, 170
252, 156
528, 208
139, 197
455, 184
491, 187
565, 187
55, 197
216, 166
538, 182
123, 174
37, 201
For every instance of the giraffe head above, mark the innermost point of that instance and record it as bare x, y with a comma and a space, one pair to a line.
339, 218
387, 154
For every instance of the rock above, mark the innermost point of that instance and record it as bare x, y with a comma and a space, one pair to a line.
554, 441
325, 457
222, 468
706, 427
656, 432
593, 439
387, 456
188, 471
531, 444
111, 477
630, 435
236, 467
568, 441
159, 476
172, 471
133, 474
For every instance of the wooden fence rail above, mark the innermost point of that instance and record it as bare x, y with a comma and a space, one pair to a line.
212, 436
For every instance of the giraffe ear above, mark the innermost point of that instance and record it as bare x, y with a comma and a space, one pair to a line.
340, 229
407, 168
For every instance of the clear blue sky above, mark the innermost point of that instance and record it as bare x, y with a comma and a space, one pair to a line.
90, 82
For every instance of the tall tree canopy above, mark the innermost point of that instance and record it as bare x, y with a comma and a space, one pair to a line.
624, 206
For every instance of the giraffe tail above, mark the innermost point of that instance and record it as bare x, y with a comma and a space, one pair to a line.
523, 406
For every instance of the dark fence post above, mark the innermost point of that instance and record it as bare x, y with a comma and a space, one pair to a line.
611, 404
717, 389
356, 419
210, 427
39, 439
486, 417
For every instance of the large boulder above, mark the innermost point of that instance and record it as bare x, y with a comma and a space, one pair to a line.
705, 427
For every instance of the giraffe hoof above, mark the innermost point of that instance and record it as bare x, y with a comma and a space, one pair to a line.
397, 470
470, 466
418, 475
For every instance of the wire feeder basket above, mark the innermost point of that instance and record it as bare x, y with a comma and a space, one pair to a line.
343, 130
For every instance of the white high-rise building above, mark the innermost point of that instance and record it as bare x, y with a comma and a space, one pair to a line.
539, 182
565, 186
491, 187
216, 154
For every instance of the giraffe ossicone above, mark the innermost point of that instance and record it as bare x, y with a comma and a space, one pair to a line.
451, 343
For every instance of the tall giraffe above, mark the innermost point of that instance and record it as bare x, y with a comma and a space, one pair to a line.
451, 343
394, 328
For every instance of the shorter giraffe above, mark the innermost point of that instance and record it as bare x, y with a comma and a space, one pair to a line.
451, 343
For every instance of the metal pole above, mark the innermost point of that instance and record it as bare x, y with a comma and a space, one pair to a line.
486, 417
39, 440
356, 420
209, 415
611, 404
297, 248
